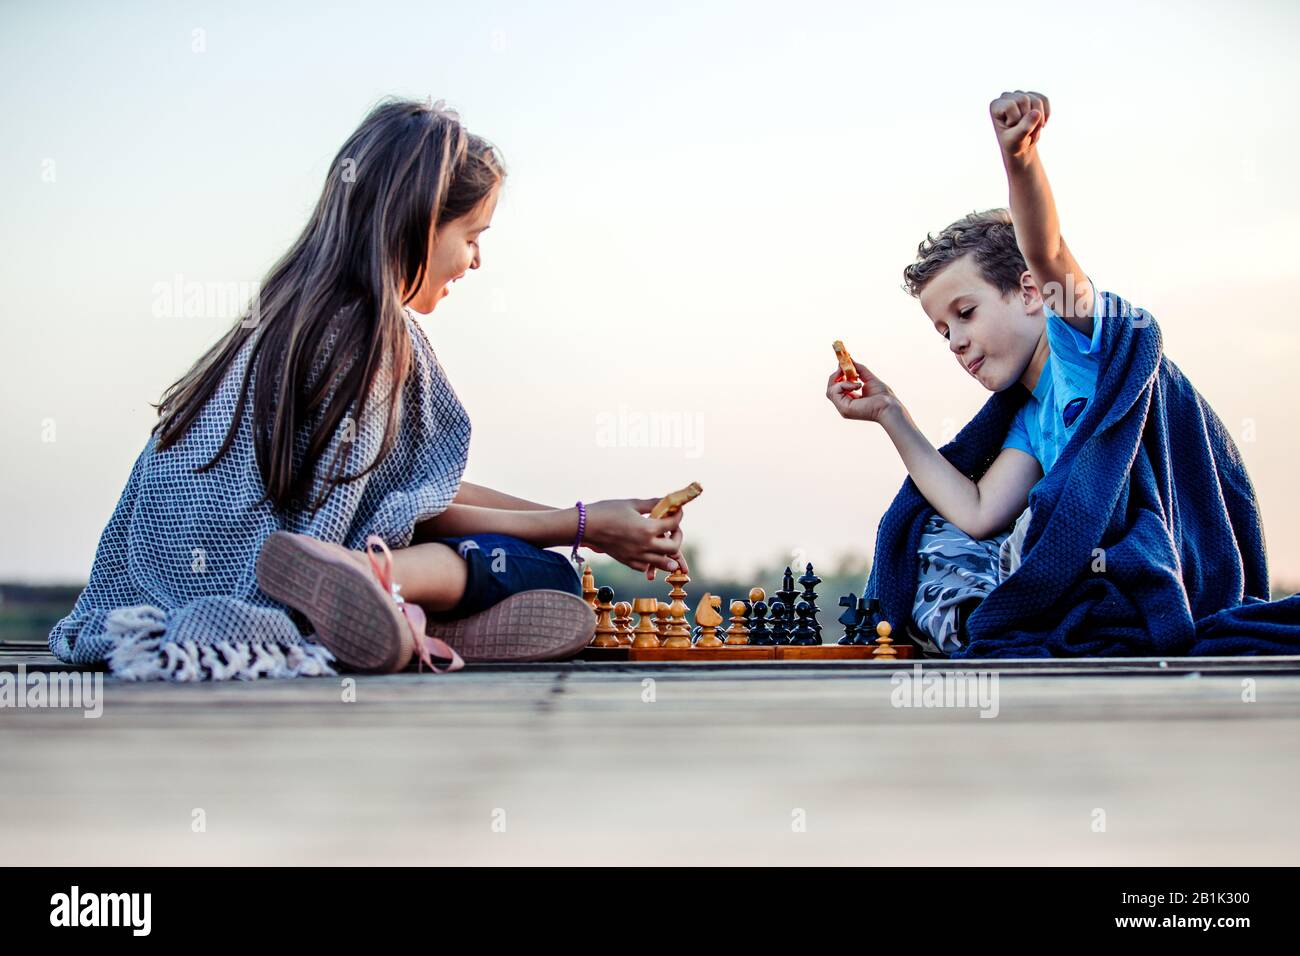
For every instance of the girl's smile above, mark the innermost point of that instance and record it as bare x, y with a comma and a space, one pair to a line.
453, 252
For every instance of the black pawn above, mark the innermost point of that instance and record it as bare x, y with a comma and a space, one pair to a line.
758, 631
780, 625
803, 633
809, 583
849, 618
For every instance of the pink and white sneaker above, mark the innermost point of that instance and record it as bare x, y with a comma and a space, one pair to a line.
360, 617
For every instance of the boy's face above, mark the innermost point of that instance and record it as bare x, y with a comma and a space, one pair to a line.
998, 332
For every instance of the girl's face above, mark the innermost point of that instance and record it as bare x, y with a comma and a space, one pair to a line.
453, 251
1000, 333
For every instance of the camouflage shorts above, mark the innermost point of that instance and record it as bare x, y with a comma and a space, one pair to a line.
956, 573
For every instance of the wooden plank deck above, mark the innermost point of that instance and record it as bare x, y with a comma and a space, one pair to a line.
582, 768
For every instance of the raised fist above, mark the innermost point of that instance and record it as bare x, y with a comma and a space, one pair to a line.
1018, 119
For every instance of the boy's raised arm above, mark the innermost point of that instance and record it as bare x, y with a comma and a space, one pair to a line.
1018, 119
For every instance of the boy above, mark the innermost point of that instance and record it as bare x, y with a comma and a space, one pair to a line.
1010, 298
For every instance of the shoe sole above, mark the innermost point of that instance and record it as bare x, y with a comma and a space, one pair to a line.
351, 614
528, 626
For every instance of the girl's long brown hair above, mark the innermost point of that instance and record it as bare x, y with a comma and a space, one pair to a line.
333, 302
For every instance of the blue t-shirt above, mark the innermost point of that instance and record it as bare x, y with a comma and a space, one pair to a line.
1044, 424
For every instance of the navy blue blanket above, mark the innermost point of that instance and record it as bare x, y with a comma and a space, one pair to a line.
1145, 537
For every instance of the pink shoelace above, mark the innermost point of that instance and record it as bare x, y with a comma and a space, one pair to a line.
425, 646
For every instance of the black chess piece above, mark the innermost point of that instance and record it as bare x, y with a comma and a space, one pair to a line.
803, 633
868, 617
809, 582
849, 618
758, 631
788, 594
780, 623
784, 615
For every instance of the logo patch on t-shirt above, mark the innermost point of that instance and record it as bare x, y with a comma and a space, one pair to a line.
1073, 410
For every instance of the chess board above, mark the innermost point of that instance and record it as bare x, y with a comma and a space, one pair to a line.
736, 653
792, 633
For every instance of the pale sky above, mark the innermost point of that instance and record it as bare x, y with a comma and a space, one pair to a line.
701, 197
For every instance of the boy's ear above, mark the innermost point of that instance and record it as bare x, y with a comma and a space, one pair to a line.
1030, 295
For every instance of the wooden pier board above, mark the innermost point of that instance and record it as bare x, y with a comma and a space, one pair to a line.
1193, 761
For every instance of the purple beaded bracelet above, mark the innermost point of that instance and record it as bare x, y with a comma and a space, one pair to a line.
582, 526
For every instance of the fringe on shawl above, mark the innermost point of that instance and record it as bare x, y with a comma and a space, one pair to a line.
142, 653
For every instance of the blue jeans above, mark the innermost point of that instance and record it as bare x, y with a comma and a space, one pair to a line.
498, 566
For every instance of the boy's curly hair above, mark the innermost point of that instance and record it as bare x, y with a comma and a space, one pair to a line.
988, 236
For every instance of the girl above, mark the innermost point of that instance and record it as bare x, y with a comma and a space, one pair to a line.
323, 424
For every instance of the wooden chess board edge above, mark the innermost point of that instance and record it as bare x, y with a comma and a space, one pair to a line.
748, 653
